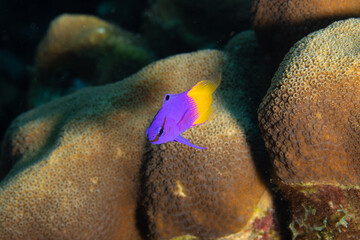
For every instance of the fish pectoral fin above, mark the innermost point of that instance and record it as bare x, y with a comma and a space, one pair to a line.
183, 140
186, 120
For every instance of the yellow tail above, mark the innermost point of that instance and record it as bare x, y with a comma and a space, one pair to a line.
201, 93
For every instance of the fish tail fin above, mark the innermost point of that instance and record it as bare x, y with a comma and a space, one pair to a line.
201, 94
216, 79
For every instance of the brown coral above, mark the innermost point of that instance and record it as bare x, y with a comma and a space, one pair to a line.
311, 126
280, 23
77, 162
86, 47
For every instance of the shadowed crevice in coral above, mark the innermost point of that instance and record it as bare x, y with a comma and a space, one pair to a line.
284, 35
142, 218
5, 158
14, 163
242, 99
277, 47
279, 24
282, 212
254, 71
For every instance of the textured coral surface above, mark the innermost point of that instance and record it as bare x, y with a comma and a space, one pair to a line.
311, 126
280, 23
77, 161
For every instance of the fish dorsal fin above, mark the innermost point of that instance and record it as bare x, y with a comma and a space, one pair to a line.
201, 93
206, 86
183, 140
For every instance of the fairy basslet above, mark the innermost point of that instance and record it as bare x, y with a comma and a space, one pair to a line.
182, 111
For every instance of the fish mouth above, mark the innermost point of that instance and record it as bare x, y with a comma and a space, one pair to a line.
155, 139
158, 136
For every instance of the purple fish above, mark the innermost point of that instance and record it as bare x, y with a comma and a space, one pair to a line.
182, 111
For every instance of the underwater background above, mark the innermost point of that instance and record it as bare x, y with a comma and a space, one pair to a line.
80, 82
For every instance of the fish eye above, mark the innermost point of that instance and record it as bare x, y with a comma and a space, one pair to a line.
167, 97
161, 132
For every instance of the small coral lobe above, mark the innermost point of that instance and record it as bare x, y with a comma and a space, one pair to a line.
79, 50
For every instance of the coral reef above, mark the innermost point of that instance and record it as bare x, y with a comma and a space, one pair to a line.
310, 123
81, 161
84, 48
280, 23
81, 167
